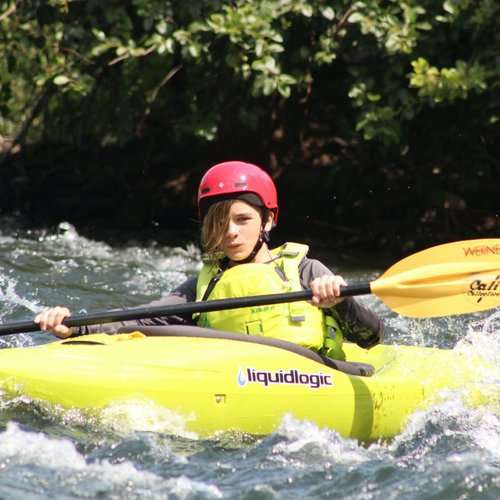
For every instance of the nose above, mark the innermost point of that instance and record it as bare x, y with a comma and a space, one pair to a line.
232, 229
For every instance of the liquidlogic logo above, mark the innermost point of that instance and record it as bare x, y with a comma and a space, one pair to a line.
479, 289
287, 377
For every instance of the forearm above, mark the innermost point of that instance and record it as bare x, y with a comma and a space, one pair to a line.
182, 294
358, 323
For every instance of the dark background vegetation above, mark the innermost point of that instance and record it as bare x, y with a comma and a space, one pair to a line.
379, 120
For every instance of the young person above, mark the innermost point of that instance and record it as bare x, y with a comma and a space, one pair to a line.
238, 207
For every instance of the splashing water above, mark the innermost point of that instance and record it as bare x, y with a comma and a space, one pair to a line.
66, 471
483, 339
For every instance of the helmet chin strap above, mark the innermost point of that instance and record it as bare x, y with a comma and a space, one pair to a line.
263, 238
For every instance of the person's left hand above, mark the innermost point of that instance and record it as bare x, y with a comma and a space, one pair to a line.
326, 290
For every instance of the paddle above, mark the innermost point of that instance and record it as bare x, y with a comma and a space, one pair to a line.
453, 278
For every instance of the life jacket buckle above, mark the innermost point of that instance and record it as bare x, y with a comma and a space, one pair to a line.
332, 332
254, 328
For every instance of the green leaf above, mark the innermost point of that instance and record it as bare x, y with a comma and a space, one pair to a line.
449, 7
61, 80
328, 13
307, 10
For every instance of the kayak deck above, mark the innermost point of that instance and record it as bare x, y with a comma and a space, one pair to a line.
219, 384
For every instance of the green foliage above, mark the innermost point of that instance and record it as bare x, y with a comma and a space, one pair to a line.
447, 84
125, 53
180, 75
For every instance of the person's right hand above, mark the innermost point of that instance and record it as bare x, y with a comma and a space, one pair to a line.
51, 320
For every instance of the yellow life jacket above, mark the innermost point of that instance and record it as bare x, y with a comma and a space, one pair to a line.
298, 322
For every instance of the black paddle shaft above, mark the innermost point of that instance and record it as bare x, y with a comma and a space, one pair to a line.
179, 309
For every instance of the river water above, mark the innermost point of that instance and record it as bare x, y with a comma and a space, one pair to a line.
449, 451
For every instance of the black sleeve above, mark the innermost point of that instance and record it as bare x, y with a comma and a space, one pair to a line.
359, 324
186, 292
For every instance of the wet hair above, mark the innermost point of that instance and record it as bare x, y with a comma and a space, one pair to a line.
215, 224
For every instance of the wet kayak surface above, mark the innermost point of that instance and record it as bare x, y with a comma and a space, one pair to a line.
139, 450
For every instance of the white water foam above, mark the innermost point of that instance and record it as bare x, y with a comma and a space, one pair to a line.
487, 434
9, 400
21, 340
161, 259
148, 269
10, 300
24, 448
304, 437
453, 418
122, 419
482, 342
183, 487
67, 240
145, 416
9, 297
483, 337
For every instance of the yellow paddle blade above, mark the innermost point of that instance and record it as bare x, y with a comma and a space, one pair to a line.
454, 278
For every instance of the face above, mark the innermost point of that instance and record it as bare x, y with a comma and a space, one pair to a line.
243, 230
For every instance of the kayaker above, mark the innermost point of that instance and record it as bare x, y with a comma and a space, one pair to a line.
238, 207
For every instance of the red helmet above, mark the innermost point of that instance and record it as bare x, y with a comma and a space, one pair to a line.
236, 179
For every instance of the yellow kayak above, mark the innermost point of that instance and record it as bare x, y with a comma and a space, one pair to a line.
229, 382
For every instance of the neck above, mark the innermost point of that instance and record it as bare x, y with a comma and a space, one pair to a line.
261, 257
